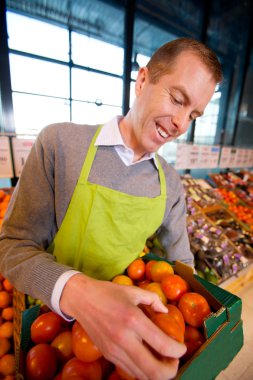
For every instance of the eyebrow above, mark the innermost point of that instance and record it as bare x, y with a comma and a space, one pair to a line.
181, 89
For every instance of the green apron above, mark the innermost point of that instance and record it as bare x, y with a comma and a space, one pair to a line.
104, 230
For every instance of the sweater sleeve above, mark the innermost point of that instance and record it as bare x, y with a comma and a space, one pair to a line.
29, 226
173, 233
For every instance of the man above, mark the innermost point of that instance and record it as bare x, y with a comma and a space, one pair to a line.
89, 197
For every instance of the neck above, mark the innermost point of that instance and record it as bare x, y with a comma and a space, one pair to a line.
129, 137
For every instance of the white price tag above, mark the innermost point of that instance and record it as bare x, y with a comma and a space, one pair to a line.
182, 156
6, 170
21, 150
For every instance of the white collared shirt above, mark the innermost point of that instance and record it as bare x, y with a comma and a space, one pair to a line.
110, 136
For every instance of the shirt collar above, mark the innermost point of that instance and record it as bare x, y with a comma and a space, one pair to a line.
110, 136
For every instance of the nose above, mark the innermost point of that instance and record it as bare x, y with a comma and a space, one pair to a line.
181, 121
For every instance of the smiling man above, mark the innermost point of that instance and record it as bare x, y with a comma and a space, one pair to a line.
99, 193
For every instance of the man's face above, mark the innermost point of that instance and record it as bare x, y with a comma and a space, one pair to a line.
164, 110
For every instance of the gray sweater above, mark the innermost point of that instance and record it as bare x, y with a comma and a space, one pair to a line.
43, 193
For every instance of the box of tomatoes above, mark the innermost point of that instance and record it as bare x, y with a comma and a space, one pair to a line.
221, 330
213, 335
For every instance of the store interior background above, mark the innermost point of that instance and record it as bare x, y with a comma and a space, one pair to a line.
77, 60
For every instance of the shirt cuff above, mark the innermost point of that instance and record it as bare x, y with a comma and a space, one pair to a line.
57, 292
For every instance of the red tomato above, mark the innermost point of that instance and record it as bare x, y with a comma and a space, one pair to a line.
169, 325
193, 340
193, 334
160, 269
155, 287
83, 347
106, 366
40, 362
148, 267
136, 270
176, 314
86, 371
123, 374
58, 376
62, 345
173, 286
114, 376
122, 279
45, 327
194, 308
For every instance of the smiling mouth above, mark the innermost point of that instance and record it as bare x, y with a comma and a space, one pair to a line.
162, 132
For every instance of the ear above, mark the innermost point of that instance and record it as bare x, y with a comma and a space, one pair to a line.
142, 79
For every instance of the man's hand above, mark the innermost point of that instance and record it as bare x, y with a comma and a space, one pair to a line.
122, 332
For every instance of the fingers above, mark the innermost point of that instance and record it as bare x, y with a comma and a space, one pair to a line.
159, 341
146, 297
145, 365
141, 363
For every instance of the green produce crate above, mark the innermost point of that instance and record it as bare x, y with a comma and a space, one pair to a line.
223, 329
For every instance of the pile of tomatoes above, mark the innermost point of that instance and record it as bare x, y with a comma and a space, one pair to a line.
242, 212
4, 201
61, 350
7, 359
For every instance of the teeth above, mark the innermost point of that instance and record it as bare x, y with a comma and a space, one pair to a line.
162, 132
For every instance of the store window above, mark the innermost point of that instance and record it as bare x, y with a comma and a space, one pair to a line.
37, 37
38, 77
100, 55
34, 112
206, 125
92, 102
55, 78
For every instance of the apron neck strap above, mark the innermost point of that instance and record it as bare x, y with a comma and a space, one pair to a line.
92, 152
161, 177
90, 156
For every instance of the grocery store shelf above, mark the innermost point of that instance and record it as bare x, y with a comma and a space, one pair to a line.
235, 283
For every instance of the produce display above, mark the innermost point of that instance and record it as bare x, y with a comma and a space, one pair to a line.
243, 212
213, 249
7, 358
62, 350
220, 223
196, 194
241, 183
5, 197
242, 239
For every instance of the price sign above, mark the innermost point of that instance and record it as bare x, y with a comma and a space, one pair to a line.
193, 158
6, 170
208, 156
21, 150
250, 162
182, 156
225, 157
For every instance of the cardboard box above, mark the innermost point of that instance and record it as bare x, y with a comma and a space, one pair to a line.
222, 329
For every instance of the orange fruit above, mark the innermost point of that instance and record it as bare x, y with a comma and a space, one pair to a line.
5, 299
136, 270
7, 313
6, 329
160, 269
156, 288
5, 346
122, 279
7, 364
7, 285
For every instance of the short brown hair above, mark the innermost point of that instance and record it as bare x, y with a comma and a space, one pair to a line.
161, 61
